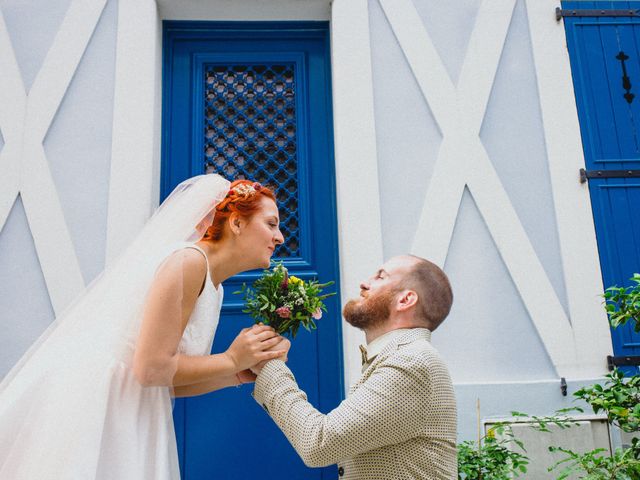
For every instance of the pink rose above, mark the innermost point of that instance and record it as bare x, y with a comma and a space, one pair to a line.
283, 312
317, 314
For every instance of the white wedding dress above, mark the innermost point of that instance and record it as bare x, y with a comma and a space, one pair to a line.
90, 418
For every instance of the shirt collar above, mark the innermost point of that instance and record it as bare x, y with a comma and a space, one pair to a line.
377, 345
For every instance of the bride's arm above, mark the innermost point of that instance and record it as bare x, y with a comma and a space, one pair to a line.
169, 305
205, 387
246, 376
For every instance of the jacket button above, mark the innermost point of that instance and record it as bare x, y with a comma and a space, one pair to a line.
341, 471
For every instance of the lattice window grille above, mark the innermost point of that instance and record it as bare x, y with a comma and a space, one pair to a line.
250, 132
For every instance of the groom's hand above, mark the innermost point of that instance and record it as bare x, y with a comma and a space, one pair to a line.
284, 345
246, 376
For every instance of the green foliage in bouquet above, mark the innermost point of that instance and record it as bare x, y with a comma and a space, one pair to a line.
285, 302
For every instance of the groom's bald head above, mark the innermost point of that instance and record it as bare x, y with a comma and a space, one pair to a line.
433, 289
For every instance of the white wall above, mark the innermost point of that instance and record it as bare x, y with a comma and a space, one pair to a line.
53, 239
459, 125
489, 319
478, 158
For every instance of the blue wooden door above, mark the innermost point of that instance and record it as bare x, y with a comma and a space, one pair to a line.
605, 64
253, 100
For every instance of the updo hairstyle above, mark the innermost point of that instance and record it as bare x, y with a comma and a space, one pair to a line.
244, 199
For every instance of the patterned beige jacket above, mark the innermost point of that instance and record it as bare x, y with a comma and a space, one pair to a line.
398, 422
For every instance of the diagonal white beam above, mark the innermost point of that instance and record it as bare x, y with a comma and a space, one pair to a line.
576, 231
457, 111
61, 63
463, 160
424, 60
441, 204
444, 192
51, 235
474, 89
13, 100
481, 60
528, 275
23, 164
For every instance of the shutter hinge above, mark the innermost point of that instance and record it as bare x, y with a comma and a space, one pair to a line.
560, 13
625, 361
587, 174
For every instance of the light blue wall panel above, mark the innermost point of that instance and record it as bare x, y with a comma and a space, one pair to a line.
489, 321
78, 149
408, 138
78, 145
488, 336
512, 133
450, 26
25, 309
32, 27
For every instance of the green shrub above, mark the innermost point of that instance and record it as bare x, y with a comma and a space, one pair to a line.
490, 458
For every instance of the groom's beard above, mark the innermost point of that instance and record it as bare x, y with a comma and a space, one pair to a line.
369, 311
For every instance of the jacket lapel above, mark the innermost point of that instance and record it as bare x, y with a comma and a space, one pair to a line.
409, 337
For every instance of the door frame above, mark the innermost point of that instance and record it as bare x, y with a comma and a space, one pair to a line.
180, 121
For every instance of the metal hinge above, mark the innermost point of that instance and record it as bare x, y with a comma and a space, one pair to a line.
587, 174
560, 13
628, 361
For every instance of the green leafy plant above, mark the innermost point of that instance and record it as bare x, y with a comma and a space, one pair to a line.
624, 464
596, 464
560, 419
619, 398
285, 302
623, 304
490, 458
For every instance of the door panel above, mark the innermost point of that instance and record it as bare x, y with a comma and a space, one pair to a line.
252, 100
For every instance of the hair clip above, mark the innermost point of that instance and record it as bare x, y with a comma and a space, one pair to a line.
245, 190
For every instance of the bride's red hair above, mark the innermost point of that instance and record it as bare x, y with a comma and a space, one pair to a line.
244, 199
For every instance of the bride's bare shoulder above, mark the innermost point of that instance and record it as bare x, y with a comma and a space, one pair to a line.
186, 264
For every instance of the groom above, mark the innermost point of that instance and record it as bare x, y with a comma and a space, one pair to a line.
399, 420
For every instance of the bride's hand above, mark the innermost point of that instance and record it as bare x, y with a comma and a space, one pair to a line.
283, 346
254, 345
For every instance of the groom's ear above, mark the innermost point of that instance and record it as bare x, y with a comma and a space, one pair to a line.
407, 299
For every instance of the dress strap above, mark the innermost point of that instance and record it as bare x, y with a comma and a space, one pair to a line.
195, 247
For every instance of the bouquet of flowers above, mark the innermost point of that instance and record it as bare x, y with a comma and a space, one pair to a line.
285, 302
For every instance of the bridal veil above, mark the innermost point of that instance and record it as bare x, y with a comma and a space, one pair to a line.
54, 397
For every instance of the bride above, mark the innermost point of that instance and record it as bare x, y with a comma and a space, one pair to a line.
91, 399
